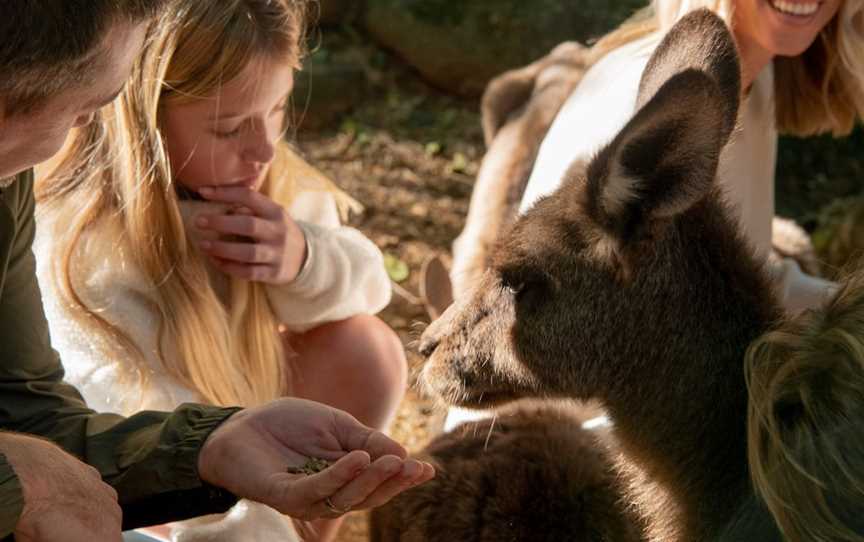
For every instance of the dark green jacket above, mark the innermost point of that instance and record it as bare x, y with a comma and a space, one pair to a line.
150, 458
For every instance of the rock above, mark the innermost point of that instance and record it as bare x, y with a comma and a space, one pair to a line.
459, 45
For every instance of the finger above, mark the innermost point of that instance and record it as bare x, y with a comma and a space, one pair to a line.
356, 436
296, 496
260, 204
395, 486
245, 225
250, 253
251, 273
377, 490
386, 469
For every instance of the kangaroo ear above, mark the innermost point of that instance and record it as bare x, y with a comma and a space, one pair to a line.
662, 162
699, 41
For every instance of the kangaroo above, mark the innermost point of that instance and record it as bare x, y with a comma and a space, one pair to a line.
533, 473
631, 285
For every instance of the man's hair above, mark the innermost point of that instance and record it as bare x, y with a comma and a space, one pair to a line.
46, 45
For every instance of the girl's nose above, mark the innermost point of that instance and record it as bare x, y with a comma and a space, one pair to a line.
261, 149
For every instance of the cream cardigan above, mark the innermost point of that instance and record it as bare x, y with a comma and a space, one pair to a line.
343, 276
605, 100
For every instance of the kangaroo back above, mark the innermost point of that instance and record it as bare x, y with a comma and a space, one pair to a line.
531, 474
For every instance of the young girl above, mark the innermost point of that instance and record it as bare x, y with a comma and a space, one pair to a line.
178, 235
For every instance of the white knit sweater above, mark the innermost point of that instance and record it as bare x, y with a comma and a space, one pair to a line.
343, 276
605, 100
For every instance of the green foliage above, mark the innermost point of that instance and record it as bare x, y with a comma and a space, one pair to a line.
813, 172
396, 268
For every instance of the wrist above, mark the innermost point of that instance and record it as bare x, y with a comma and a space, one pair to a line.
214, 452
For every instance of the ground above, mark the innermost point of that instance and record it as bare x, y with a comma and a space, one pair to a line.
391, 155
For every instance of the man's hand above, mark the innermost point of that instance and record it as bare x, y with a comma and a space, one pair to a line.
65, 500
249, 455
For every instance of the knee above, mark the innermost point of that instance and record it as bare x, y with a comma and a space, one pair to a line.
376, 353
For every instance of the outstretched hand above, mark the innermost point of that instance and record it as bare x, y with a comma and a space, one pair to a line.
250, 453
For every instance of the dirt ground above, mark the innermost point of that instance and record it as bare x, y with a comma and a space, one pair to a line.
391, 155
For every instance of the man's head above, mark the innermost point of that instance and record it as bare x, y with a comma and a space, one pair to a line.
60, 60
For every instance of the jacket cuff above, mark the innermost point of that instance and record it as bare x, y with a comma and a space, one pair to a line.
184, 495
11, 498
196, 423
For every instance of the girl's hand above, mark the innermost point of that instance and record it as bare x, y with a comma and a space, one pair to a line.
258, 241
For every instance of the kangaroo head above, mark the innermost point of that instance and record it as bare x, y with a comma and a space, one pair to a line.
620, 264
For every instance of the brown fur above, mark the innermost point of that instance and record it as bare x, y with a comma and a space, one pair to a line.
518, 108
632, 285
531, 474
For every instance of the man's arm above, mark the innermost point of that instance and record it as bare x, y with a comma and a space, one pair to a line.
151, 458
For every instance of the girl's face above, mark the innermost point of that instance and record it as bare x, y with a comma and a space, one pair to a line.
229, 138
782, 27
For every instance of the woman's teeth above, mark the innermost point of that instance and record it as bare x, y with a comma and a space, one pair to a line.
790, 8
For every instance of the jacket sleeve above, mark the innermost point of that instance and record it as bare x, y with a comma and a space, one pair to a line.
343, 276
150, 458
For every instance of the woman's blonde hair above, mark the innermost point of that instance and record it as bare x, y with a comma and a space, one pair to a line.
806, 419
116, 169
819, 91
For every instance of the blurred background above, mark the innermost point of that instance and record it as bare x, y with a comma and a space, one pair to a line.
388, 107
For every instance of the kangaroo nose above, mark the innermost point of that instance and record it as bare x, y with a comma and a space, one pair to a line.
428, 346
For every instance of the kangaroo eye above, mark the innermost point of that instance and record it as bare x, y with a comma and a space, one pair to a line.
514, 289
512, 283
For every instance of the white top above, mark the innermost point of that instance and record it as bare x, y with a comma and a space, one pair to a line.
344, 275
605, 100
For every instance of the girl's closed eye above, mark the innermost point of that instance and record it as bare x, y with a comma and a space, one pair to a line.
228, 133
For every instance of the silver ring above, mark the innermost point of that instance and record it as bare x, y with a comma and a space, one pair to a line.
333, 508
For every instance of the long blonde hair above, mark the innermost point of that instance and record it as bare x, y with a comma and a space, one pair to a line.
116, 169
819, 91
806, 419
